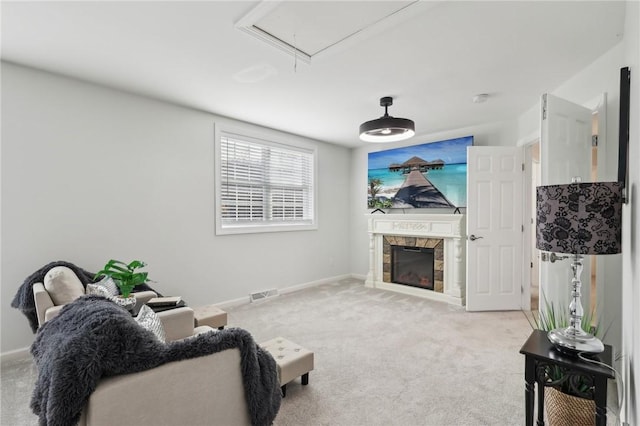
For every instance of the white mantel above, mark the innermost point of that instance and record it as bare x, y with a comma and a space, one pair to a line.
449, 227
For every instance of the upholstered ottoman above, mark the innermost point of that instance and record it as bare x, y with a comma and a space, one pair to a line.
209, 315
293, 360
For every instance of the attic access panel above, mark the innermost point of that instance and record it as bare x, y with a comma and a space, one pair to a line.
309, 28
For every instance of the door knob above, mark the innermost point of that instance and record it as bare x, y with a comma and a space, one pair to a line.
473, 237
551, 257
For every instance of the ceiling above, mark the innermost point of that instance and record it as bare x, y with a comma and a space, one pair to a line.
432, 57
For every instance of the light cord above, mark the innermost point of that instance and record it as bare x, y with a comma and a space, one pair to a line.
619, 384
295, 54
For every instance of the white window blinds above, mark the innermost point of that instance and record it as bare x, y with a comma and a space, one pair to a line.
263, 184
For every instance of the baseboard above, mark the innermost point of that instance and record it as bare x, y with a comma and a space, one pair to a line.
245, 300
298, 287
15, 355
233, 302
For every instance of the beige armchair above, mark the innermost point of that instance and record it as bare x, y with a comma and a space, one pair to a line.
47, 309
61, 286
200, 391
207, 390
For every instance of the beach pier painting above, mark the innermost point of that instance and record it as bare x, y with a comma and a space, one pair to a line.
430, 175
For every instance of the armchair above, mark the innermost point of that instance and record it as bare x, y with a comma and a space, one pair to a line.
206, 390
98, 366
66, 287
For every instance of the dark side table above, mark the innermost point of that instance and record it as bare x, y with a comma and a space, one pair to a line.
136, 309
540, 353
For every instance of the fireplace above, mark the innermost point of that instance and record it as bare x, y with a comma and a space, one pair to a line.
412, 266
415, 235
415, 252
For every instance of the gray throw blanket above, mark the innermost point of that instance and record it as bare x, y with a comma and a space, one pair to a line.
23, 300
92, 337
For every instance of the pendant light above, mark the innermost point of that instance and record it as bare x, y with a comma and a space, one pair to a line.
387, 128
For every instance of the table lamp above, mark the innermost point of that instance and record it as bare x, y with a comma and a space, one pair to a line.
578, 219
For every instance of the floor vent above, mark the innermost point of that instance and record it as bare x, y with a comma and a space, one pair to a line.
262, 295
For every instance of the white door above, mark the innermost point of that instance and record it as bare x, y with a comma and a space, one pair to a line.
565, 152
494, 228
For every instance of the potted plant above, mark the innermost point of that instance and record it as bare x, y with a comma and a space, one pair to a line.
125, 276
565, 397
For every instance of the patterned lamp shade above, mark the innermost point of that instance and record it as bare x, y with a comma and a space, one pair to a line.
579, 218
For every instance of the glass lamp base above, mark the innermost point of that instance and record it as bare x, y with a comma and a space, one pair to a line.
573, 340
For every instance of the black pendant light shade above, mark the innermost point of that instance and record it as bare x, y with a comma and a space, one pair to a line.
387, 128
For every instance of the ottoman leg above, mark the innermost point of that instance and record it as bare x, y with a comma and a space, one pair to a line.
305, 379
283, 389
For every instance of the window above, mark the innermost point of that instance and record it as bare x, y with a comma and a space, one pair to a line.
263, 186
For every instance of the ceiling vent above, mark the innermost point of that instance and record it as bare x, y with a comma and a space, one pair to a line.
309, 29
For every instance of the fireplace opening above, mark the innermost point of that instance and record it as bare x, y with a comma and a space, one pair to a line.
412, 266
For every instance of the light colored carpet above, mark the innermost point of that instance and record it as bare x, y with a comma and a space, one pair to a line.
381, 358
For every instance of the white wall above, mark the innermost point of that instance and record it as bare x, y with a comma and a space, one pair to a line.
90, 173
631, 225
502, 134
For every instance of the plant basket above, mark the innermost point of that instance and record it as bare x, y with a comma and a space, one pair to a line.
568, 410
126, 302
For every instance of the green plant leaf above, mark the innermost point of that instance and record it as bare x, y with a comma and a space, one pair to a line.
136, 264
117, 268
124, 274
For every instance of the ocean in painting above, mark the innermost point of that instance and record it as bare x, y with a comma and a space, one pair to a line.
450, 180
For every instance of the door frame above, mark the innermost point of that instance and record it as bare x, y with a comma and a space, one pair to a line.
527, 218
599, 106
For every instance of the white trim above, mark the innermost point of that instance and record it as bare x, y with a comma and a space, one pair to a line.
600, 108
361, 277
529, 139
290, 289
263, 8
527, 244
15, 355
268, 138
276, 42
258, 229
315, 283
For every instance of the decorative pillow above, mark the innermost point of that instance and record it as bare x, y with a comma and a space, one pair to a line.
98, 290
110, 285
149, 320
63, 285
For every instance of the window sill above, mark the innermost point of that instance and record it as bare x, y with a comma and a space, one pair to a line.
259, 229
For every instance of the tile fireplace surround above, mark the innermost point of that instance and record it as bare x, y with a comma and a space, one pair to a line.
451, 228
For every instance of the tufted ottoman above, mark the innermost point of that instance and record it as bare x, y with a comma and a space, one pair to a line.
209, 315
293, 360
